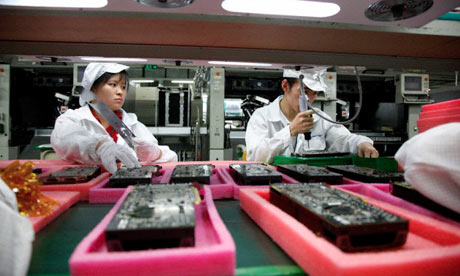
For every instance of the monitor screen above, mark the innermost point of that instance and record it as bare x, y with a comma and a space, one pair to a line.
232, 108
80, 72
413, 83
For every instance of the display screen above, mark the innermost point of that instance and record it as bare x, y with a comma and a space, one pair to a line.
80, 72
232, 108
413, 83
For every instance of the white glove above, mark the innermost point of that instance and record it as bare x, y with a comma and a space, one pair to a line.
109, 152
146, 150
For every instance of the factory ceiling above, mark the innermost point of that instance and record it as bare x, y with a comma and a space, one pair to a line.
204, 31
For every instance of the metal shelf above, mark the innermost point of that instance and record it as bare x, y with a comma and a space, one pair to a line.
175, 131
157, 131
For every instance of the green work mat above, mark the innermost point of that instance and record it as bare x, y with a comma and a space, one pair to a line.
387, 164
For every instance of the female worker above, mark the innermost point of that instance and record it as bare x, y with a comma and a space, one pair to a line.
277, 129
84, 136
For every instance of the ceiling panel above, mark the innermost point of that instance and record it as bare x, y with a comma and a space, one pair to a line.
204, 32
352, 11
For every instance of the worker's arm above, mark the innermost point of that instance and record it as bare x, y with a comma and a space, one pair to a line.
73, 142
260, 145
340, 139
146, 144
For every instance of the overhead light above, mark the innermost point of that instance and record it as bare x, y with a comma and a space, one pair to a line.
182, 81
282, 7
237, 63
56, 3
142, 81
113, 59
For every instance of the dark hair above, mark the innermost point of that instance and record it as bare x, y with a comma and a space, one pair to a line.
106, 76
291, 81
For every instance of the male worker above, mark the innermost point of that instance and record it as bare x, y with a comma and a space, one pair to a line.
278, 129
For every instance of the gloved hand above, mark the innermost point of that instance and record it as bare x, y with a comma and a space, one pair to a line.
302, 123
109, 152
146, 150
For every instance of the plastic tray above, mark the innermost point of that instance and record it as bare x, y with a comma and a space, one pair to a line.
426, 124
38, 163
384, 187
45, 167
386, 164
213, 253
82, 188
441, 105
313, 161
432, 247
222, 184
237, 188
441, 112
378, 193
66, 199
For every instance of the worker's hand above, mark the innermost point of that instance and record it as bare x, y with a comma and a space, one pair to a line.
302, 123
109, 152
146, 150
367, 150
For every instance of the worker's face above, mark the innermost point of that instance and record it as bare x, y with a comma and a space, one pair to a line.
311, 94
113, 92
292, 94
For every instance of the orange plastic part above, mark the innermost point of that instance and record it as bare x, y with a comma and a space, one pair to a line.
26, 186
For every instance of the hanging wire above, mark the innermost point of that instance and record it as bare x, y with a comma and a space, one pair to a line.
360, 90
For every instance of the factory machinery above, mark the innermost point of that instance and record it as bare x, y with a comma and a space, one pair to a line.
203, 115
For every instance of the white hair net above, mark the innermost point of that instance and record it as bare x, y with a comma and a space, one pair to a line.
314, 78
94, 71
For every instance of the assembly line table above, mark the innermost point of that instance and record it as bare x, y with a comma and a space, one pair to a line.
256, 253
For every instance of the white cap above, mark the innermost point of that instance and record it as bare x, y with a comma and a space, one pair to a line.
94, 71
314, 78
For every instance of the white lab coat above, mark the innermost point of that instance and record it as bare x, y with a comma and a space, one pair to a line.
268, 135
16, 235
76, 134
431, 162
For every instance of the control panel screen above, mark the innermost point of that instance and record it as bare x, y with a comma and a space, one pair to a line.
413, 83
80, 72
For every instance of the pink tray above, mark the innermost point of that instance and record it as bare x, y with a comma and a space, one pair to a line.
102, 193
237, 188
219, 182
38, 163
46, 167
432, 247
213, 253
222, 184
441, 105
438, 113
379, 194
66, 199
82, 188
426, 124
384, 187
